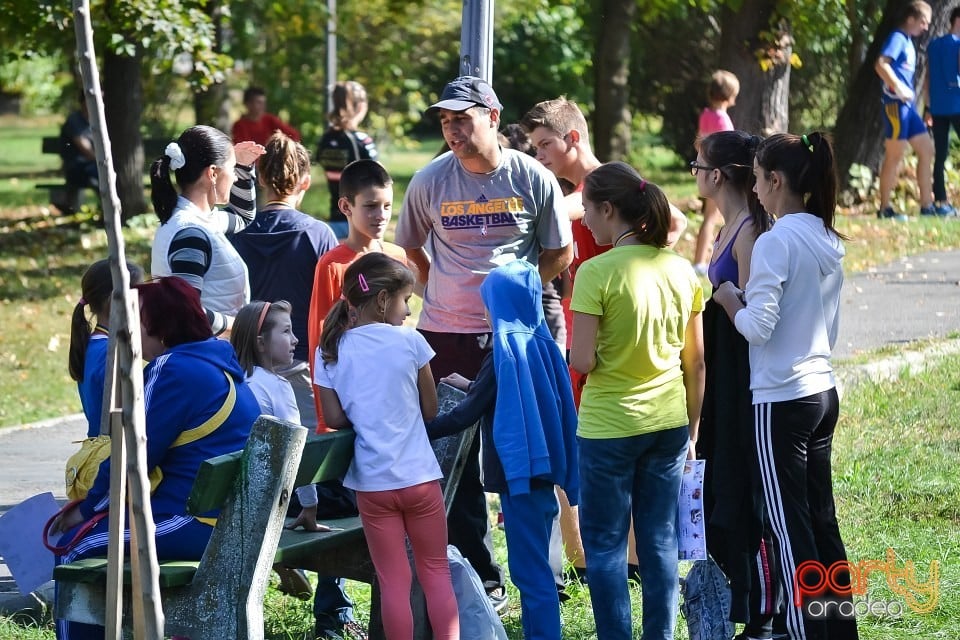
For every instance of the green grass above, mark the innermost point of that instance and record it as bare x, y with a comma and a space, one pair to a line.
26, 629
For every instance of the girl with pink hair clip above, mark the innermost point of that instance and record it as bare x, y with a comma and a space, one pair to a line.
374, 375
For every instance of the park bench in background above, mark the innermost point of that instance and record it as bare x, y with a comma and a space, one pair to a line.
222, 595
66, 197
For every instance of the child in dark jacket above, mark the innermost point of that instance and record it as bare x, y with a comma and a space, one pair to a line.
523, 399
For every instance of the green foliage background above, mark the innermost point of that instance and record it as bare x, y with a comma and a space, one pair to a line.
405, 52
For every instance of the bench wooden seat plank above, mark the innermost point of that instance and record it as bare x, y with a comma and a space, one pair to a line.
173, 573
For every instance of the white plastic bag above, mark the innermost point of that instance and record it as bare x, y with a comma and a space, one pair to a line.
478, 620
691, 529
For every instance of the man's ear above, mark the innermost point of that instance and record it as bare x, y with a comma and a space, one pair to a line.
495, 118
574, 136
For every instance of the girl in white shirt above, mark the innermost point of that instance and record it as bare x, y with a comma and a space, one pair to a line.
374, 375
264, 341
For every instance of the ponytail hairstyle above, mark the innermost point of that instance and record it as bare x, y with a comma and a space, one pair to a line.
363, 281
96, 287
349, 100
170, 311
806, 163
196, 149
640, 203
732, 153
254, 320
284, 164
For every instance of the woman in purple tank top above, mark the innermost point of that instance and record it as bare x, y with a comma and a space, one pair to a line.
738, 532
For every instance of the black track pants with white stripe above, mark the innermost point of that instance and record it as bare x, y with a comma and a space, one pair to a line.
794, 444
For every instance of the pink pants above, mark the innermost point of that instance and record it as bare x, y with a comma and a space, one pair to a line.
389, 517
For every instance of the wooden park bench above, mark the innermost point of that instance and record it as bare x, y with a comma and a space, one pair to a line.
66, 197
221, 596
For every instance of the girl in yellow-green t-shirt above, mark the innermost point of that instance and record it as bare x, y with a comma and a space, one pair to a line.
637, 332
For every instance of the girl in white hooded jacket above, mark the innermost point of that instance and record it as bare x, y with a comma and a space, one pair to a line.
789, 314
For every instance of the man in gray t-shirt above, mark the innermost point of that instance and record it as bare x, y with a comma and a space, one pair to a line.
476, 207
471, 209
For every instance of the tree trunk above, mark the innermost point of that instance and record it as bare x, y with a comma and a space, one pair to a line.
857, 50
208, 104
123, 104
611, 119
762, 106
858, 138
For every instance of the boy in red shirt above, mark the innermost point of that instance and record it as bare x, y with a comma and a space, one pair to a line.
256, 124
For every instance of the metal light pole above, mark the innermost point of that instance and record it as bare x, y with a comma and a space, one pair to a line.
476, 39
331, 51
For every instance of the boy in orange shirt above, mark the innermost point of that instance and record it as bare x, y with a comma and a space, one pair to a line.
366, 199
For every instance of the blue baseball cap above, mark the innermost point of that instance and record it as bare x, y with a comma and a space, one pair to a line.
465, 92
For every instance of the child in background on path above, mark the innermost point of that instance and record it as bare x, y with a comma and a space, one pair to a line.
903, 125
637, 331
523, 397
256, 123
394, 470
264, 341
366, 199
721, 95
342, 144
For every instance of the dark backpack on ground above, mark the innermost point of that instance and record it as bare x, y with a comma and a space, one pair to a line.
706, 602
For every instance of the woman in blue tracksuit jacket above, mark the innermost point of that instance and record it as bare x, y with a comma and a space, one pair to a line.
524, 401
197, 406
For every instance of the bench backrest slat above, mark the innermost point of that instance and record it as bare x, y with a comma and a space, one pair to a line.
325, 457
213, 483
51, 145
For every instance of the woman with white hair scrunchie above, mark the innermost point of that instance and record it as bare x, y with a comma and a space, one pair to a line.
191, 242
